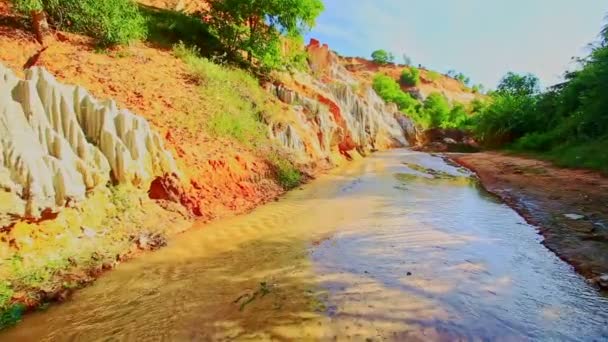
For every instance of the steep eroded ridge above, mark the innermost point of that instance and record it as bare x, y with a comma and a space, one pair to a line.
57, 143
335, 113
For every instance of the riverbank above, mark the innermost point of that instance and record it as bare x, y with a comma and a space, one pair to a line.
569, 206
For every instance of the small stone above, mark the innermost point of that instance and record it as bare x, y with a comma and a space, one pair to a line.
88, 232
409, 274
602, 281
574, 217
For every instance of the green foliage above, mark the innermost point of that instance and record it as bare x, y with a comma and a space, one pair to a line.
255, 27
519, 85
567, 124
234, 98
110, 22
6, 293
592, 154
410, 77
462, 78
295, 55
243, 128
26, 6
457, 118
505, 119
390, 91
382, 57
237, 109
477, 106
167, 28
287, 174
435, 111
11, 315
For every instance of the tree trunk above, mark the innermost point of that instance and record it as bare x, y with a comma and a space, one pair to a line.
40, 26
251, 33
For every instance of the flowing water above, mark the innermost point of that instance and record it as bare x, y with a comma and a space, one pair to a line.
399, 246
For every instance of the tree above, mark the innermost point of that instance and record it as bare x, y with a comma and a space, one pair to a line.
462, 78
459, 77
410, 77
388, 89
436, 110
110, 21
255, 27
36, 11
407, 60
519, 85
382, 57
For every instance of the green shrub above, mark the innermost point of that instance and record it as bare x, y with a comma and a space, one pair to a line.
505, 119
457, 118
11, 315
382, 57
109, 21
6, 293
390, 91
26, 6
566, 124
167, 28
435, 111
234, 101
287, 174
243, 128
477, 106
410, 77
590, 154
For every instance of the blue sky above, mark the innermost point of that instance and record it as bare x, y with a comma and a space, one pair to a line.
482, 38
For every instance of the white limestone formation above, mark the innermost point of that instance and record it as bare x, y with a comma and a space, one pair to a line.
57, 143
313, 133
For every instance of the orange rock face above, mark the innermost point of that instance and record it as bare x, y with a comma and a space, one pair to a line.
319, 58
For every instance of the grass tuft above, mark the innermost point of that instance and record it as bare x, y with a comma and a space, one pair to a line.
235, 103
287, 174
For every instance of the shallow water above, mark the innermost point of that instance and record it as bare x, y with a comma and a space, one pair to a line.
399, 246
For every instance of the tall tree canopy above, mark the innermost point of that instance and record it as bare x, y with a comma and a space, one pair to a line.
383, 57
520, 85
256, 26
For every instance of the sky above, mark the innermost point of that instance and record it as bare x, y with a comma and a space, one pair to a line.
484, 39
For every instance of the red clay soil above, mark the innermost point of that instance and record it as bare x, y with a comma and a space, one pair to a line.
188, 6
226, 177
544, 194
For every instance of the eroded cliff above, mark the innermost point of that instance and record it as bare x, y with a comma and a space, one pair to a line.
58, 143
335, 114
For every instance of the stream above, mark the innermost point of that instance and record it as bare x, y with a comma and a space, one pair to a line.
397, 246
